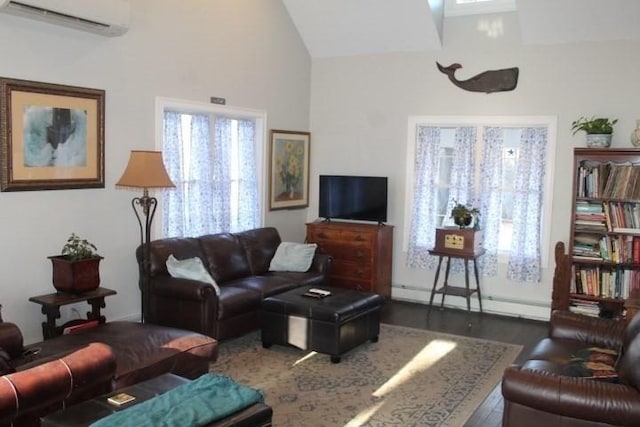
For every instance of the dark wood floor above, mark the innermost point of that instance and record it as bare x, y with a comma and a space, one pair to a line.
513, 330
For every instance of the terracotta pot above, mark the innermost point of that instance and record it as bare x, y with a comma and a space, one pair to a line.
75, 277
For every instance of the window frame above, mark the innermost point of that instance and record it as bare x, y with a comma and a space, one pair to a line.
187, 106
550, 122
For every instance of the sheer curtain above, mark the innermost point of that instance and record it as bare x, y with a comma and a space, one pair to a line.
209, 197
524, 259
248, 211
491, 198
425, 198
463, 169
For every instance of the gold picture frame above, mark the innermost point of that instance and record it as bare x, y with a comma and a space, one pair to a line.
51, 136
289, 171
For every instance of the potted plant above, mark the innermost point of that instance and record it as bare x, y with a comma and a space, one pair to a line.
463, 215
598, 129
76, 270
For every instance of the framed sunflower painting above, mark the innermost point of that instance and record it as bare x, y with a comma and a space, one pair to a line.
289, 173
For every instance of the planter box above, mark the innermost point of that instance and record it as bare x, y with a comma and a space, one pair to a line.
75, 277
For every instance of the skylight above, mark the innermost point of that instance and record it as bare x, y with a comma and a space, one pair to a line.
476, 7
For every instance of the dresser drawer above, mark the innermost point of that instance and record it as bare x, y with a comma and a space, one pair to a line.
344, 236
359, 253
351, 270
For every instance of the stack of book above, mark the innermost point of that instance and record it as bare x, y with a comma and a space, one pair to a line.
588, 308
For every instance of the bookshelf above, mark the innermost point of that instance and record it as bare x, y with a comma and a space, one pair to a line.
604, 248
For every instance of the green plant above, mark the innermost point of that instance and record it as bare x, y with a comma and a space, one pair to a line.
463, 215
77, 248
593, 125
460, 210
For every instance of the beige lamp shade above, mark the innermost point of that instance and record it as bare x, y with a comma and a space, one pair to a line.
145, 170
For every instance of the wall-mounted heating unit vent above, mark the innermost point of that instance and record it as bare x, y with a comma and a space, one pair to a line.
105, 17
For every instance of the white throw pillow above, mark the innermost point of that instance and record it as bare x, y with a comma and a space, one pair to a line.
190, 268
293, 257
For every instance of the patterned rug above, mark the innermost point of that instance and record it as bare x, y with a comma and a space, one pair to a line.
410, 377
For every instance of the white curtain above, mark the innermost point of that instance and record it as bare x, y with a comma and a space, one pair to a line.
524, 257
491, 198
462, 189
425, 196
208, 198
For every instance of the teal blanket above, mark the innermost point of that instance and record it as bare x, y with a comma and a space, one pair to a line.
196, 403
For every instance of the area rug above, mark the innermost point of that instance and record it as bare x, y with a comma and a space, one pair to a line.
410, 377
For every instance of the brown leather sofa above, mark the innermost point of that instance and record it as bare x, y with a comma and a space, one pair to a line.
548, 390
72, 368
27, 395
239, 263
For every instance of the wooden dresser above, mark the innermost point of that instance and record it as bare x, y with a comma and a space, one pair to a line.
362, 254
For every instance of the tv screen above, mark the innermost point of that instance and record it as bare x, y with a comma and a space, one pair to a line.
361, 198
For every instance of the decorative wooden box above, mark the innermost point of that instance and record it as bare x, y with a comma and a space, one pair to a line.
465, 241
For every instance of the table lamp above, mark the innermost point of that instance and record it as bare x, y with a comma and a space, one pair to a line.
145, 170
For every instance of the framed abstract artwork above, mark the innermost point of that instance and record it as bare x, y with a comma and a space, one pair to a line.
51, 136
289, 171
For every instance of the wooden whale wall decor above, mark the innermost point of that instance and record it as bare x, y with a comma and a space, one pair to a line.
488, 81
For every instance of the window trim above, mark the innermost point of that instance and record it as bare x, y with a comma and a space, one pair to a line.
551, 122
186, 106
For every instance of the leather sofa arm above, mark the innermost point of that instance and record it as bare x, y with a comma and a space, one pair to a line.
581, 398
592, 330
11, 339
36, 391
322, 263
183, 303
184, 289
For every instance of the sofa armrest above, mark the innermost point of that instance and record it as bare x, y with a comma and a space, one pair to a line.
592, 330
11, 339
581, 398
184, 289
322, 263
183, 303
83, 374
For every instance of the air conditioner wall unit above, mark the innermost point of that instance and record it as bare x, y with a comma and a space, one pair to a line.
105, 17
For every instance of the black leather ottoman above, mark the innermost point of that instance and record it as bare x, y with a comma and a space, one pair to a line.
90, 411
332, 325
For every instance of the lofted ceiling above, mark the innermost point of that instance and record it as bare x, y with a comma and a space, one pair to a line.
360, 27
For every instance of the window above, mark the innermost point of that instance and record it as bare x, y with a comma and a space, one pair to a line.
512, 138
214, 156
502, 166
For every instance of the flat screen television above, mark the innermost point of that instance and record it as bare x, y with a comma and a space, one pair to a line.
361, 198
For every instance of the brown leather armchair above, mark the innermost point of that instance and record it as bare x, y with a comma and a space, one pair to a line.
542, 393
34, 391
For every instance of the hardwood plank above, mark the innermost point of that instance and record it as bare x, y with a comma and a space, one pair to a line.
513, 330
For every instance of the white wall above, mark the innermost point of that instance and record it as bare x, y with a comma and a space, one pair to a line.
360, 106
246, 51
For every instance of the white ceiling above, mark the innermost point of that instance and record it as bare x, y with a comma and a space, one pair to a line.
359, 27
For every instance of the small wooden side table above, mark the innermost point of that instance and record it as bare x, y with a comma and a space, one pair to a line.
51, 304
447, 289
